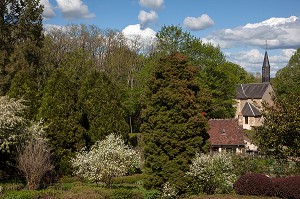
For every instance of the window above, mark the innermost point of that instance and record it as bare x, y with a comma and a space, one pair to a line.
246, 120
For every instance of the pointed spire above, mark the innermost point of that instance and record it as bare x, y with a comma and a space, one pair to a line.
266, 69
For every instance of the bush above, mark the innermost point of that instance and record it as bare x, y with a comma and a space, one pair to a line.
130, 179
287, 187
23, 194
123, 194
152, 194
107, 159
212, 173
254, 184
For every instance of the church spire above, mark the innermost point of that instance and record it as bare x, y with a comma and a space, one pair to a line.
266, 67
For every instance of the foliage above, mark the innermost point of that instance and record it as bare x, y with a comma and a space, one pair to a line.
152, 194
221, 81
287, 81
254, 184
173, 125
212, 173
217, 75
62, 115
106, 159
172, 39
287, 187
34, 159
12, 124
123, 194
21, 23
169, 191
279, 134
100, 101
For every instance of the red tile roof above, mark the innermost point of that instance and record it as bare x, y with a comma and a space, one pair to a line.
225, 132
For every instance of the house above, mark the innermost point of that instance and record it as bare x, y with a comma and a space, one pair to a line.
226, 135
250, 97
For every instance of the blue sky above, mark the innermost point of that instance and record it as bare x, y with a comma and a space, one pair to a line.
239, 27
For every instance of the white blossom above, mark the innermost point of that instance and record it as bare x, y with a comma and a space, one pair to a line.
213, 172
106, 159
12, 124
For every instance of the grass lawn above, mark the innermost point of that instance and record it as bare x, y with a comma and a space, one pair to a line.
73, 188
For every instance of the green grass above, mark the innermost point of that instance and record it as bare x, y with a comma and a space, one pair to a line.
74, 188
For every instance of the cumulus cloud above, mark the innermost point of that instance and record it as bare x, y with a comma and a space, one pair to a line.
136, 30
146, 37
152, 4
279, 32
74, 9
48, 9
252, 60
199, 23
147, 17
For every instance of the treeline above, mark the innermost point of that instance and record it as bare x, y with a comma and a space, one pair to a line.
85, 82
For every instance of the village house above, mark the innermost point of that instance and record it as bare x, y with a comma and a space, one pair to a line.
226, 135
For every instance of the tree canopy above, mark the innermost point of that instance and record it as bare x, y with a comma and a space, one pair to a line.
280, 133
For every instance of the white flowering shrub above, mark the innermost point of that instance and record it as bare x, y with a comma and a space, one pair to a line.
106, 159
213, 173
12, 124
169, 191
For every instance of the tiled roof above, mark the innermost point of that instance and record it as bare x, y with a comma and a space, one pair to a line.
251, 91
250, 110
225, 132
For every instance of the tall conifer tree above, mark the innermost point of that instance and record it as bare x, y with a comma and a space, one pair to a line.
174, 125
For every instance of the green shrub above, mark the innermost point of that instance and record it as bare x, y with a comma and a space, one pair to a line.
122, 194
23, 194
131, 179
152, 194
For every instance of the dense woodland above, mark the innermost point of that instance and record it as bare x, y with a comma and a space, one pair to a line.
81, 83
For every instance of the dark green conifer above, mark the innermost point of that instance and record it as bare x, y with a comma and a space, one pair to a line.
174, 125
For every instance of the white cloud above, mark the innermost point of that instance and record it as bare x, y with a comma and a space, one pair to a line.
147, 17
48, 9
199, 23
252, 60
279, 32
74, 9
136, 30
152, 4
143, 39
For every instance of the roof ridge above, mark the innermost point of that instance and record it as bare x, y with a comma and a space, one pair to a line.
251, 108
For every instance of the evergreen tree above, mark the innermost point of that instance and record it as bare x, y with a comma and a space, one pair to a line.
20, 25
173, 125
62, 116
101, 104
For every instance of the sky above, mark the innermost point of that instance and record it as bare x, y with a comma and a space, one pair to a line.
241, 28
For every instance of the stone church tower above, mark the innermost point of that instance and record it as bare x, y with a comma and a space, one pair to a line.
266, 69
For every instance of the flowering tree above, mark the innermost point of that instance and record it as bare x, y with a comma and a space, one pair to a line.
12, 125
106, 159
212, 172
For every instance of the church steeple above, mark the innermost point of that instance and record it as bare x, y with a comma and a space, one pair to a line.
266, 68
